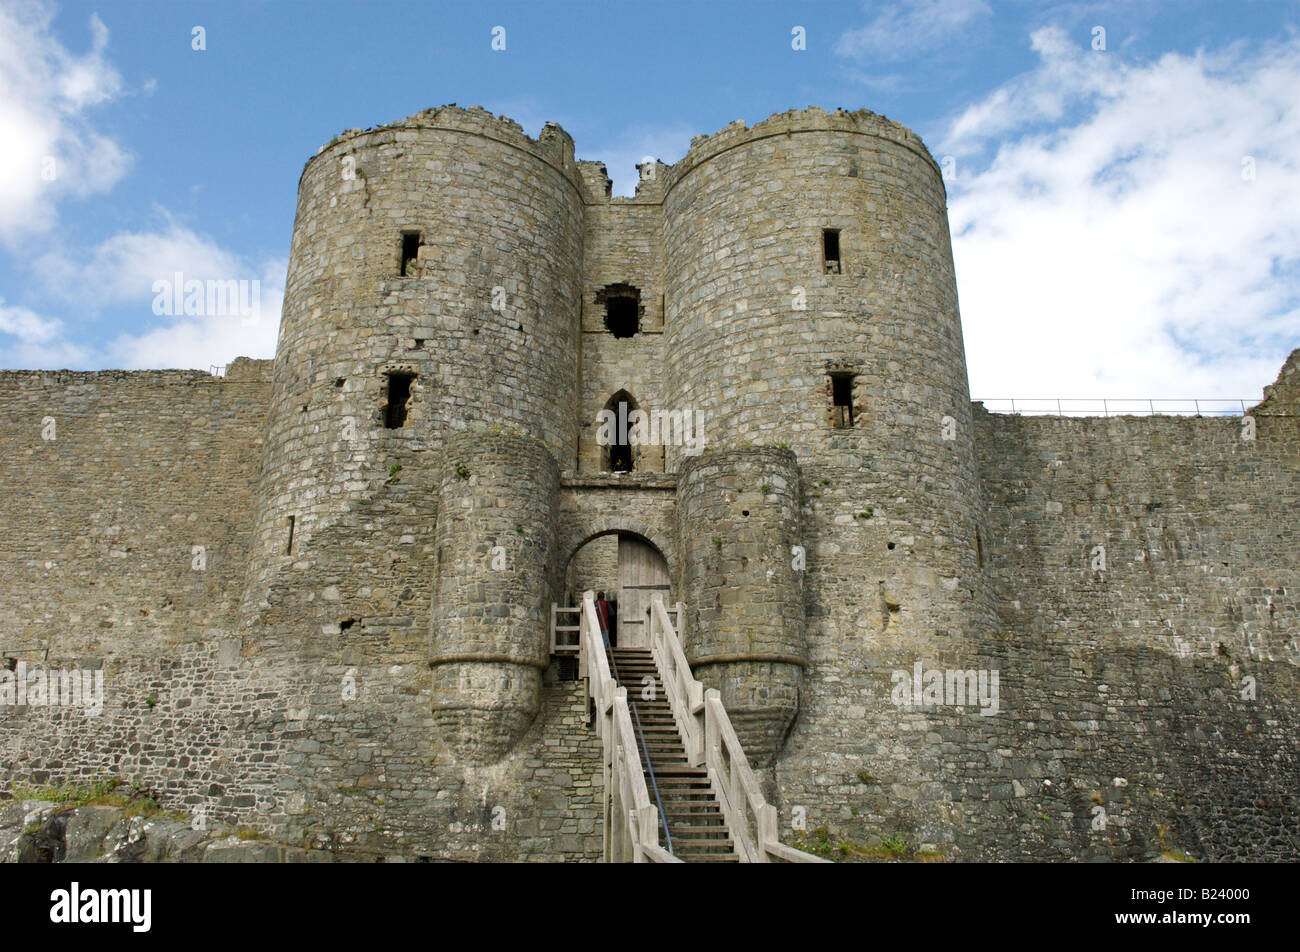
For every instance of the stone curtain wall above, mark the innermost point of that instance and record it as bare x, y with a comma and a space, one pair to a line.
1202, 550
1126, 725
101, 521
101, 572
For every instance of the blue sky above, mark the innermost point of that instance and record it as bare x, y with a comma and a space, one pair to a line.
1126, 219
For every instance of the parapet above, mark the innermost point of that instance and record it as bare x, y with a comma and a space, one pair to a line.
595, 178
552, 145
862, 121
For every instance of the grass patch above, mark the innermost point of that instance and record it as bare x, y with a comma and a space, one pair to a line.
133, 801
896, 845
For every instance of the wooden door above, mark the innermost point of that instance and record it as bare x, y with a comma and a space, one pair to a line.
642, 571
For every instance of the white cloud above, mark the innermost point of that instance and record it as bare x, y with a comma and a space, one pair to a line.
906, 27
35, 341
125, 266
210, 339
123, 273
1111, 247
50, 149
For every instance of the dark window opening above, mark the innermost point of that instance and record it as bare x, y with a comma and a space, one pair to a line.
979, 550
618, 452
567, 668
841, 401
831, 250
288, 548
410, 251
620, 457
621, 316
622, 309
339, 381
399, 395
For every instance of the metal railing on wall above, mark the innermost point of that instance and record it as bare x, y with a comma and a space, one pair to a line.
1084, 406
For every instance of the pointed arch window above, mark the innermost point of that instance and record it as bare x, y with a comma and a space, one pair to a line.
616, 446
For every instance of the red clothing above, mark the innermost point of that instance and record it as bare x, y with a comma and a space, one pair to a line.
602, 615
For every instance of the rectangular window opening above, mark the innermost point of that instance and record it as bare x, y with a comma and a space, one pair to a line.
288, 546
399, 395
410, 252
842, 400
831, 250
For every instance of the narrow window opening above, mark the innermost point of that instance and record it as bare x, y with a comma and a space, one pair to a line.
288, 547
979, 550
618, 451
399, 396
410, 252
831, 250
841, 401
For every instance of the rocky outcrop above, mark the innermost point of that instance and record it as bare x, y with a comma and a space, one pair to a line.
38, 831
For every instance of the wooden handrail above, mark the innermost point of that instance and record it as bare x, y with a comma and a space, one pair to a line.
632, 825
685, 693
711, 740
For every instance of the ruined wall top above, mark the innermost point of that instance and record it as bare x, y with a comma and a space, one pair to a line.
862, 121
552, 145
556, 146
1283, 395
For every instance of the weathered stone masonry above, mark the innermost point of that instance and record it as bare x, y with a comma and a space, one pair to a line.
319, 589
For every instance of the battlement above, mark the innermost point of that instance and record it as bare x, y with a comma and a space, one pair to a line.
812, 119
244, 369
553, 145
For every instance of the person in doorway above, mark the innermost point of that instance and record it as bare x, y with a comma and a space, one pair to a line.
602, 616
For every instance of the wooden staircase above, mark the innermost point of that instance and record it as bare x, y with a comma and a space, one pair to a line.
694, 818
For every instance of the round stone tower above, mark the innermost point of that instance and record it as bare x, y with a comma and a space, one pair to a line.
491, 603
811, 303
743, 588
433, 286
